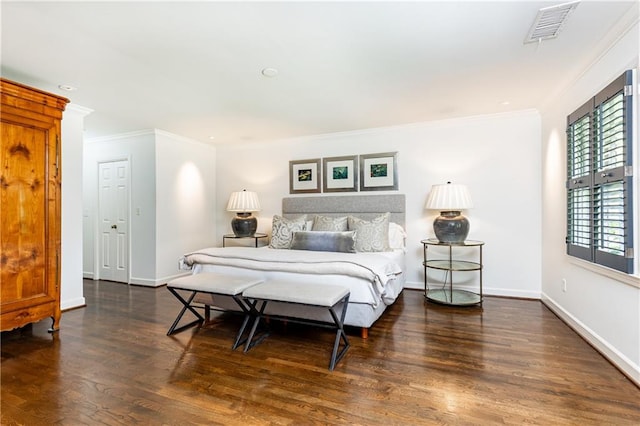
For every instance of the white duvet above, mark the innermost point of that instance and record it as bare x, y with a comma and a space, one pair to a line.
375, 268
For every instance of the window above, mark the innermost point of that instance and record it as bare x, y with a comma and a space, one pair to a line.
599, 178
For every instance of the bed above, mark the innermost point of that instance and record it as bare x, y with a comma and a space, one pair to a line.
374, 274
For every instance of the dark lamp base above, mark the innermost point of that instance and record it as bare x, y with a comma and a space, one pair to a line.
451, 227
244, 225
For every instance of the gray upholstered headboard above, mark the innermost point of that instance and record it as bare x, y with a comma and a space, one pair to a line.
363, 206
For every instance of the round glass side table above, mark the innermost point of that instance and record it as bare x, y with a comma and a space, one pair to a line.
447, 294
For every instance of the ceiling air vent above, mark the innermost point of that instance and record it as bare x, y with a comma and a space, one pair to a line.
549, 21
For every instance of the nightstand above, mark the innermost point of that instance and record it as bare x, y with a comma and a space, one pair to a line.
255, 237
447, 295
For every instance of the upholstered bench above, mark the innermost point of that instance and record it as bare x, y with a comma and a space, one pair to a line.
214, 284
331, 297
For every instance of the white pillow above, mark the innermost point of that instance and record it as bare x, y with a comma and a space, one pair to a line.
372, 235
330, 224
397, 236
282, 230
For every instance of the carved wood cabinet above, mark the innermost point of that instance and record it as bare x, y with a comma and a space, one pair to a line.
30, 178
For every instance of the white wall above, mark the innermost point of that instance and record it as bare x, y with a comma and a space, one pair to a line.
139, 149
185, 188
497, 156
605, 309
72, 294
172, 192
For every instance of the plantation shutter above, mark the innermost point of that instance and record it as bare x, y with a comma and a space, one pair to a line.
613, 222
579, 210
599, 172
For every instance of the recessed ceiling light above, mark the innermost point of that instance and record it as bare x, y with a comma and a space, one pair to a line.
212, 137
505, 103
269, 72
67, 88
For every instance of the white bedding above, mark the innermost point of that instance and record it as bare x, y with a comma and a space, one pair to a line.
371, 277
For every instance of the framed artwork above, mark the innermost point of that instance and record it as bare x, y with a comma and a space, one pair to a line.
379, 172
304, 176
340, 174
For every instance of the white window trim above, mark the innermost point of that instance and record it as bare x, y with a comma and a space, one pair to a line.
631, 279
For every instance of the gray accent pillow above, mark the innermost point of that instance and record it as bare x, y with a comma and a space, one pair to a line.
372, 235
282, 230
343, 242
332, 224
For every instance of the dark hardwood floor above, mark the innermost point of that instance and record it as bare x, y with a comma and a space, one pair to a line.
511, 362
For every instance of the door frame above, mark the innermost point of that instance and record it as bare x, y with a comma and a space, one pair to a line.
96, 219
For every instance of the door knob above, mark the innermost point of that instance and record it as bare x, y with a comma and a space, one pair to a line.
114, 226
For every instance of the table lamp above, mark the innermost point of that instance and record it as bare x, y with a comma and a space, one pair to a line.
244, 203
451, 226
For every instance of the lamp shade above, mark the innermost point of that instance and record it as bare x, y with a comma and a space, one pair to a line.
449, 197
243, 201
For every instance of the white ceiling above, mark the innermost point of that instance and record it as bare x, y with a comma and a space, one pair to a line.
194, 68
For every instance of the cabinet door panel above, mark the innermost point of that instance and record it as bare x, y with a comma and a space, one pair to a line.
23, 212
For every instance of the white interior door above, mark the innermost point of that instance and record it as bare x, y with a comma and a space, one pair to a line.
113, 247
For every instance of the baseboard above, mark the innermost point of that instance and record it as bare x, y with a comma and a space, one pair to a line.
157, 282
487, 291
87, 275
624, 364
145, 282
78, 302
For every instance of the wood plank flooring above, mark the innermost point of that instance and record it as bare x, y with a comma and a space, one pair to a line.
510, 362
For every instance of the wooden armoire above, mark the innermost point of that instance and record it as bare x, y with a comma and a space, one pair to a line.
30, 178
